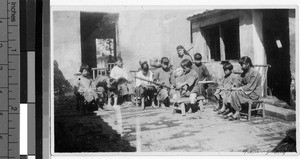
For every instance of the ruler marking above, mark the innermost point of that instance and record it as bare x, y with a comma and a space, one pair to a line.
13, 83
8, 75
12, 67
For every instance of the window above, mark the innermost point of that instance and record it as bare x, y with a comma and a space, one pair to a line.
222, 39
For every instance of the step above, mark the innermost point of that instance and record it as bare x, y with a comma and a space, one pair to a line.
281, 113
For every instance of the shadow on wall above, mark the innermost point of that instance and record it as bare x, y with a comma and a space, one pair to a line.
61, 85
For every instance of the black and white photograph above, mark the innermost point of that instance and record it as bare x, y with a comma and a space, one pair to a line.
173, 80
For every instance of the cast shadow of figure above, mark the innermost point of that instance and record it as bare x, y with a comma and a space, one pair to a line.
88, 133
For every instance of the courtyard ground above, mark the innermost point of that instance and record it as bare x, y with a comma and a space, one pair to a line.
131, 129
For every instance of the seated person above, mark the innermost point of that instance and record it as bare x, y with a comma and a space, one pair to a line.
223, 91
143, 88
250, 89
164, 76
84, 87
186, 82
120, 74
203, 74
106, 87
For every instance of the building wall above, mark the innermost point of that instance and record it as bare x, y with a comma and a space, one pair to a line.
152, 34
292, 56
292, 25
250, 33
66, 42
142, 34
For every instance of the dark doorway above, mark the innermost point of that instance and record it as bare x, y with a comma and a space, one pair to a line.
228, 32
231, 38
212, 37
276, 42
98, 33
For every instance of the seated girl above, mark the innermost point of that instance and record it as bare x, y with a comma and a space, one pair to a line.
84, 87
143, 88
250, 89
120, 74
223, 92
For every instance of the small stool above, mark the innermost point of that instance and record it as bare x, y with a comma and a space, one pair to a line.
181, 102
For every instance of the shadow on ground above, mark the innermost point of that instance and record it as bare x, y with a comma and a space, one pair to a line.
78, 132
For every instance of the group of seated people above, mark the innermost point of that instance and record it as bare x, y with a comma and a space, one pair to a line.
104, 87
236, 90
165, 83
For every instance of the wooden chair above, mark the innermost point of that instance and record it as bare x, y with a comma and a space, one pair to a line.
103, 70
109, 67
99, 71
256, 105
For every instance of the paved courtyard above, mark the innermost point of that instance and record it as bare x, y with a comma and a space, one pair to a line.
132, 129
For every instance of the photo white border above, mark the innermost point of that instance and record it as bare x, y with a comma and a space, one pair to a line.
90, 5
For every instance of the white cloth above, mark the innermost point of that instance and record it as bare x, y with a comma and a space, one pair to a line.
118, 72
149, 77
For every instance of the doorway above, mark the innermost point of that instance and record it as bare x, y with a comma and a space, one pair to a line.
98, 38
276, 42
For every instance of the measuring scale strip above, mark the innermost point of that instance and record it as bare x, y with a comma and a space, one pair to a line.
10, 79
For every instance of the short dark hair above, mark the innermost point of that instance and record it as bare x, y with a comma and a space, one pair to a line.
145, 67
245, 60
186, 63
119, 59
198, 56
112, 84
180, 47
84, 66
228, 66
164, 59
